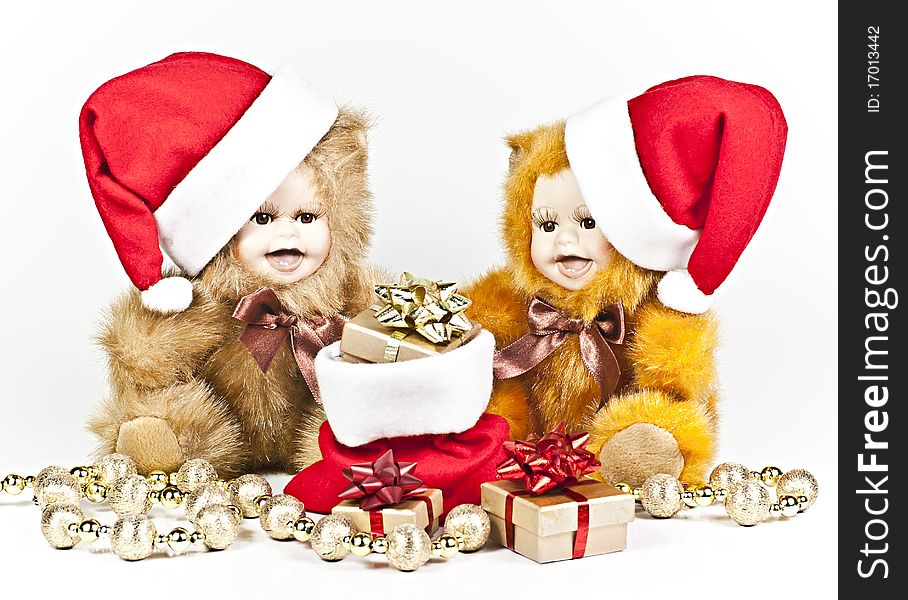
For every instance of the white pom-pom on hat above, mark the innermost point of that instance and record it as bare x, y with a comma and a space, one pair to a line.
170, 295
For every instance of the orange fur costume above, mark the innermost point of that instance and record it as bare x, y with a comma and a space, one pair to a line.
182, 386
663, 419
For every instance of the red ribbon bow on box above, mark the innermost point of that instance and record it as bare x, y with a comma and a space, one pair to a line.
381, 483
557, 459
268, 325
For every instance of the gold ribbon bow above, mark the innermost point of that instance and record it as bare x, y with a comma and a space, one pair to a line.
432, 309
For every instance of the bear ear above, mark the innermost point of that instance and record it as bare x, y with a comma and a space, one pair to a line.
520, 144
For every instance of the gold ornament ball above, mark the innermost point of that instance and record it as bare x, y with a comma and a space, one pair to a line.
775, 510
60, 487
219, 525
802, 503
89, 530
246, 489
171, 497
471, 523
799, 482
178, 540
46, 472
113, 466
704, 496
328, 535
82, 474
157, 480
95, 492
770, 476
302, 529
747, 502
13, 484
361, 544
278, 513
661, 495
380, 545
196, 538
237, 513
56, 520
445, 546
689, 498
623, 487
193, 473
132, 537
728, 474
409, 547
719, 495
789, 506
260, 503
129, 495
207, 494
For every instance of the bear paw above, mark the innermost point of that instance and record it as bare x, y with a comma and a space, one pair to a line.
638, 451
151, 443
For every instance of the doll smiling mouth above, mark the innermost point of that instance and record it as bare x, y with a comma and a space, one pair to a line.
285, 261
573, 267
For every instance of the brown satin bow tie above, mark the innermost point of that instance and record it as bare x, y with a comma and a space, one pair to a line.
550, 327
268, 325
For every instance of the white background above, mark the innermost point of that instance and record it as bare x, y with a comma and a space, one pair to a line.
445, 83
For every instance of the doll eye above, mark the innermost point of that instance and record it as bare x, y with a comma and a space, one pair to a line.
588, 223
548, 226
306, 218
261, 218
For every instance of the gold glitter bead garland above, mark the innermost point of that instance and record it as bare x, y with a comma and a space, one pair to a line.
744, 492
210, 504
407, 546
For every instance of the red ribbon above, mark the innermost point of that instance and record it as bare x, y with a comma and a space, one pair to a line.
555, 460
268, 325
381, 483
377, 520
583, 517
550, 328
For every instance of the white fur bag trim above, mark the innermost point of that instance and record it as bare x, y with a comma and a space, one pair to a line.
435, 395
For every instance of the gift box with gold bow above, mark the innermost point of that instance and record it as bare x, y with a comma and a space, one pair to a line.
413, 319
546, 510
384, 494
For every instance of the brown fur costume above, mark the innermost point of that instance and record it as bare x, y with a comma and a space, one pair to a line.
182, 386
663, 420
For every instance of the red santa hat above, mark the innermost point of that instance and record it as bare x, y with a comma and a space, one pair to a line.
180, 153
678, 178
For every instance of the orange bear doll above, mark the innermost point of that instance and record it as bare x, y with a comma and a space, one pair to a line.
618, 230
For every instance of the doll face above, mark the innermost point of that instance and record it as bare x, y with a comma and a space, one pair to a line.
288, 238
566, 247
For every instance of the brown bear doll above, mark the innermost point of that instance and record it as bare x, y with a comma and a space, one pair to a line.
248, 181
618, 225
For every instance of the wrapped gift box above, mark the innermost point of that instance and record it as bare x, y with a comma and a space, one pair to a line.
364, 339
422, 510
584, 519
